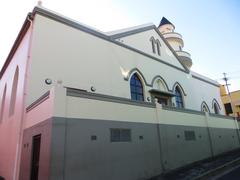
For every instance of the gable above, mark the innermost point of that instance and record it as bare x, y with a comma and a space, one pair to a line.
141, 40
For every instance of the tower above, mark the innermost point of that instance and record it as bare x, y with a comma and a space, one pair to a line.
166, 28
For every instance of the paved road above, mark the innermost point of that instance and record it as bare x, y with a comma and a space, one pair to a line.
233, 175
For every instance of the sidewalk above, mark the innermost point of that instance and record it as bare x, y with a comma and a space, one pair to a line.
204, 169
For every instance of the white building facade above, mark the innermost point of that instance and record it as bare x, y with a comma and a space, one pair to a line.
96, 106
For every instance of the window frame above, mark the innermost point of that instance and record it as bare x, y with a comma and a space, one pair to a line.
136, 88
179, 98
153, 41
157, 42
216, 107
121, 135
189, 135
205, 106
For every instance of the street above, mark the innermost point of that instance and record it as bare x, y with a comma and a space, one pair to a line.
233, 175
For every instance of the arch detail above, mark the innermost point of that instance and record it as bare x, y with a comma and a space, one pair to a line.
176, 84
158, 77
136, 70
204, 107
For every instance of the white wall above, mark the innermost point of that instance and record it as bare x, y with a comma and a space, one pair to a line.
81, 60
142, 42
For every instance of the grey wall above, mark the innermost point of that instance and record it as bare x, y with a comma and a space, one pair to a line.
76, 156
177, 152
101, 159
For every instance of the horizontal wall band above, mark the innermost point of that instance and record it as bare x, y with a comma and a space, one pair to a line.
221, 116
84, 94
41, 99
101, 97
183, 110
130, 122
201, 79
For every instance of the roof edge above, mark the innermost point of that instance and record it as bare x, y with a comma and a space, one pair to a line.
52, 15
16, 43
65, 20
131, 30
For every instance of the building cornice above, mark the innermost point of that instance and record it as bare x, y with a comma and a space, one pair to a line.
71, 23
16, 43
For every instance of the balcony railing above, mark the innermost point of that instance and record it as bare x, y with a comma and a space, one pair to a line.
172, 35
183, 53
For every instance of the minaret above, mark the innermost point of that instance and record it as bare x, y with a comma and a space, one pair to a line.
166, 28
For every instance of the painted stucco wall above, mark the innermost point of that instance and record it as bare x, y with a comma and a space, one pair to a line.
77, 59
142, 42
10, 126
163, 147
44, 129
41, 110
235, 98
197, 91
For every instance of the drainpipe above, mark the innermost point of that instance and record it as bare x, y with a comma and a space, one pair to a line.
158, 106
19, 143
209, 133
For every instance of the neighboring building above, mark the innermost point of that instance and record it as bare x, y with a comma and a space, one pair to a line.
231, 102
77, 103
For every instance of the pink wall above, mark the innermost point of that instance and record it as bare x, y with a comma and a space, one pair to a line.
43, 128
10, 126
43, 110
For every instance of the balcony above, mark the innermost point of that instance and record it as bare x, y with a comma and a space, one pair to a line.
172, 35
185, 57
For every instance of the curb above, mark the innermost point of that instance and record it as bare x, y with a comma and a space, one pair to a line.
216, 171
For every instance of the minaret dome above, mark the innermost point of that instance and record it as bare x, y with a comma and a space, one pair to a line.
166, 28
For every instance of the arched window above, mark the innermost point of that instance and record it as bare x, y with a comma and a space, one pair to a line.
161, 85
153, 44
204, 107
216, 106
3, 103
179, 98
216, 109
158, 47
136, 88
14, 92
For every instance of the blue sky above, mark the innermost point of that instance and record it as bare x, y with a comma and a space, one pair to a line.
210, 28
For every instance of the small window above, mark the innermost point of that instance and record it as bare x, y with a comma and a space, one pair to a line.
228, 108
120, 135
189, 135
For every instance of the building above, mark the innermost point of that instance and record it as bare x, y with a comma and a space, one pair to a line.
231, 102
78, 103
